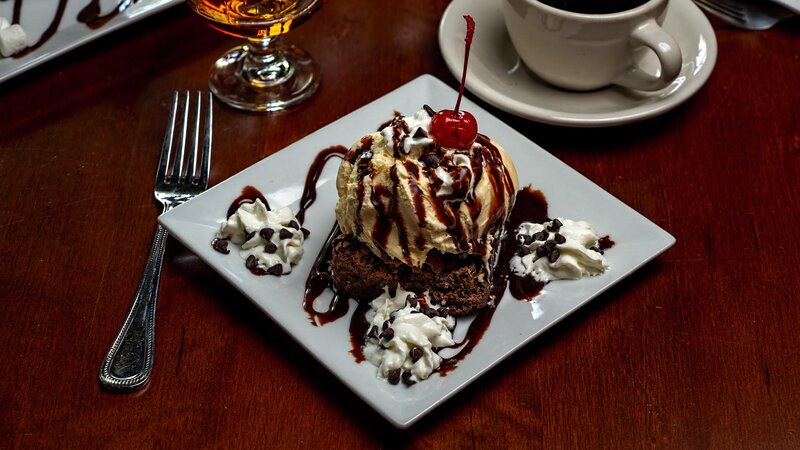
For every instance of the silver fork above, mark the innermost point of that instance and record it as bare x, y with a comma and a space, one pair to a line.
129, 361
745, 14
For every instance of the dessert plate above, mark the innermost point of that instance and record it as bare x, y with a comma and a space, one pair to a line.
281, 178
36, 16
497, 75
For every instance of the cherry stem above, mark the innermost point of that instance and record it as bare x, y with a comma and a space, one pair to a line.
468, 40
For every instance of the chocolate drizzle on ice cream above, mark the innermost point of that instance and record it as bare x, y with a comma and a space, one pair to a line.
404, 195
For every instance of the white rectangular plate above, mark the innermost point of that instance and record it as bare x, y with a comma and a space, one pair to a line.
37, 15
281, 177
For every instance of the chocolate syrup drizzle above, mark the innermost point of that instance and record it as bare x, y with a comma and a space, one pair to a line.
314, 172
88, 15
249, 195
485, 161
320, 276
530, 205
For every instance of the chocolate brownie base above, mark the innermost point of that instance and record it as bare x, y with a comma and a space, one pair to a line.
460, 285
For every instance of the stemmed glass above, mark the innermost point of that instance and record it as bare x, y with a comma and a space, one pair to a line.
264, 74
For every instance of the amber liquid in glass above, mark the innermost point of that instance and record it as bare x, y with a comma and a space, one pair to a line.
248, 18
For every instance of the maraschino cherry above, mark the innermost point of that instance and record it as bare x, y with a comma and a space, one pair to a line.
454, 128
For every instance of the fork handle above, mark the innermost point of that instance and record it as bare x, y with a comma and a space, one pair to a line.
129, 361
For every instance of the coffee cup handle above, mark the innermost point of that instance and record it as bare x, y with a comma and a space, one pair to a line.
651, 35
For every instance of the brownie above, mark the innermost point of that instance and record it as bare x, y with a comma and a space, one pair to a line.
462, 285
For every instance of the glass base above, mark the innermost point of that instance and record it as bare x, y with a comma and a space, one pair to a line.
246, 79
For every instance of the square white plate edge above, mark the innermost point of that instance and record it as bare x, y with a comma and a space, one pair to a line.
11, 67
422, 83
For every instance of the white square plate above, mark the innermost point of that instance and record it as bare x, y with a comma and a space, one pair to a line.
36, 16
281, 177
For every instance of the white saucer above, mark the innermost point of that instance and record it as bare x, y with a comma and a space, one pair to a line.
497, 75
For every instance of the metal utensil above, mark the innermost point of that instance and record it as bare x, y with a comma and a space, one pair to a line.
793, 5
744, 14
129, 361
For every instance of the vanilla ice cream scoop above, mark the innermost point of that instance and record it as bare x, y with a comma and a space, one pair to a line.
403, 195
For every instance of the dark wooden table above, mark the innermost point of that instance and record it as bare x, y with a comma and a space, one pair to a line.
699, 349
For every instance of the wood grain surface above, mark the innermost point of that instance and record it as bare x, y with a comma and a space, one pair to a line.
699, 349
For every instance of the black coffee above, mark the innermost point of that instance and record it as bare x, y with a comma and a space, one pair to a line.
594, 6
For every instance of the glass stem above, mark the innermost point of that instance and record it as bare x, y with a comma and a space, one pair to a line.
266, 64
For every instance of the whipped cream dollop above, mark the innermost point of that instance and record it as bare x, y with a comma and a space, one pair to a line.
405, 329
271, 241
410, 132
13, 38
559, 249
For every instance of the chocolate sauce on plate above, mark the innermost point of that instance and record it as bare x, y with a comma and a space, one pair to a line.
319, 278
88, 15
605, 243
314, 172
530, 206
249, 195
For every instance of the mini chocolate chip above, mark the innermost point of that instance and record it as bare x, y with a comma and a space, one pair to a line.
540, 236
249, 235
251, 262
541, 251
294, 224
305, 232
414, 311
416, 354
524, 239
444, 312
560, 239
266, 233
412, 301
269, 247
553, 256
432, 161
220, 245
596, 249
385, 325
285, 234
392, 316
387, 334
373, 332
407, 378
420, 133
524, 251
549, 245
430, 312
277, 269
394, 377
555, 225
429, 110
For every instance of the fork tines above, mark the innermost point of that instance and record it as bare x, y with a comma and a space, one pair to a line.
185, 165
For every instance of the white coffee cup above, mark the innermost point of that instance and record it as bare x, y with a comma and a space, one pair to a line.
589, 51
